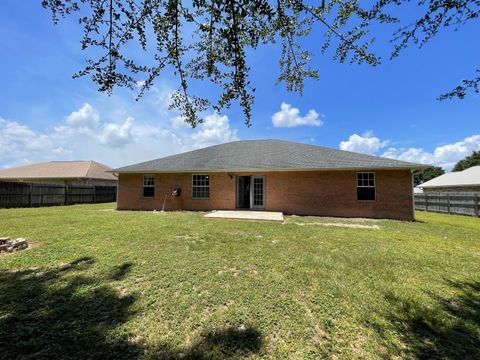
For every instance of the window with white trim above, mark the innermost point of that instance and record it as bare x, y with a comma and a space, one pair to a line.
366, 186
200, 186
148, 185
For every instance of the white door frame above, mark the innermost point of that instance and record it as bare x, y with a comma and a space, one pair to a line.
252, 189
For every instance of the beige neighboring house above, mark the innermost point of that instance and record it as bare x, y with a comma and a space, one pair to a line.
467, 180
62, 172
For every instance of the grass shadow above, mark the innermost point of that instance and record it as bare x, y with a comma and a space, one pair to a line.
224, 343
450, 329
61, 313
119, 272
227, 343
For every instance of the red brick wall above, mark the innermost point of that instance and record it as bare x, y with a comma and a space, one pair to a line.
323, 193
130, 193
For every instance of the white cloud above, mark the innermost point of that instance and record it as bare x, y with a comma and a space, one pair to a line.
417, 155
289, 116
159, 96
117, 135
457, 151
178, 122
113, 143
445, 156
366, 143
215, 130
18, 143
86, 117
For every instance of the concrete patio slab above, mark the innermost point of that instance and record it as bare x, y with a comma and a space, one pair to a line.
246, 215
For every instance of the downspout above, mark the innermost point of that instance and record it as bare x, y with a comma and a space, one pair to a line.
164, 201
413, 195
117, 185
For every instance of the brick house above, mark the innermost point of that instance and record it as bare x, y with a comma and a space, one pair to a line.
271, 175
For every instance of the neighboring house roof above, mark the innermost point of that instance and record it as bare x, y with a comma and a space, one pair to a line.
59, 170
467, 177
252, 155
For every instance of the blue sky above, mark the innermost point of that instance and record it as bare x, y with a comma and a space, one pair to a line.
390, 110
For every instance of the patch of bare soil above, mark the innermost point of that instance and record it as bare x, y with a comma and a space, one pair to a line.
344, 225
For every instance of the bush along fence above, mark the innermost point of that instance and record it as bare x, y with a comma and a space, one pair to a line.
19, 194
461, 203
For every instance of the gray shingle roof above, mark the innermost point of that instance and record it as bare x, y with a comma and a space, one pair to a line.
266, 155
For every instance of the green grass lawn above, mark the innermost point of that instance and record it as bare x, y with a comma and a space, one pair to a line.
106, 284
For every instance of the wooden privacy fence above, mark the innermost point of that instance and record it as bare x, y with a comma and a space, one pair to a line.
19, 194
462, 203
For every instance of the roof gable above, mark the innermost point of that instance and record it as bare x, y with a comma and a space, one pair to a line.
266, 155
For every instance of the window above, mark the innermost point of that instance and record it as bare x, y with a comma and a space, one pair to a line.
366, 186
148, 185
200, 186
258, 191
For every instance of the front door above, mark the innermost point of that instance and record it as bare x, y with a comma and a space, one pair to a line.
257, 192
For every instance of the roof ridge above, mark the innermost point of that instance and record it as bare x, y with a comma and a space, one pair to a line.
88, 168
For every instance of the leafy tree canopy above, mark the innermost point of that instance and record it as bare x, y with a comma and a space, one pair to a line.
421, 176
209, 40
469, 161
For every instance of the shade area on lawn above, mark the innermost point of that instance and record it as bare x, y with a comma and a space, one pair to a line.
150, 285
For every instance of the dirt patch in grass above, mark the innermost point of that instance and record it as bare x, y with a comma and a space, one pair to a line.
345, 225
295, 218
